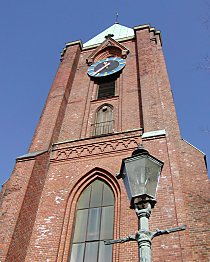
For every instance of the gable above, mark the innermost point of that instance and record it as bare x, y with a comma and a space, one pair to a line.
108, 48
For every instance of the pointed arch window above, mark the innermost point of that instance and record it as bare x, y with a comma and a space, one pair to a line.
104, 121
93, 224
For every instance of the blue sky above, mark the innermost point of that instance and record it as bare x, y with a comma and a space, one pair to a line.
33, 34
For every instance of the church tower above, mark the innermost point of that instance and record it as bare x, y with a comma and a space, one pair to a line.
63, 200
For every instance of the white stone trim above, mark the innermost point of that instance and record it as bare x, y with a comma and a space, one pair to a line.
154, 133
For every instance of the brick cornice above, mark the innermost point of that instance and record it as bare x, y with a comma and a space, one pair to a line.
78, 42
156, 33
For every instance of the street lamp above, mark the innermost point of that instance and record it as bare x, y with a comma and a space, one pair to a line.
140, 174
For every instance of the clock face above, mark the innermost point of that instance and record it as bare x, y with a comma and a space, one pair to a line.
106, 67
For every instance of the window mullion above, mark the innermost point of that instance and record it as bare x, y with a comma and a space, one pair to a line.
87, 224
100, 222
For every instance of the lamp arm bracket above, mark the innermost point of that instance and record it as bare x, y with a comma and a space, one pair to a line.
167, 231
145, 235
121, 240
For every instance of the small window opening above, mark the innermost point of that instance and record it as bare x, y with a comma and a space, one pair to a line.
106, 90
104, 121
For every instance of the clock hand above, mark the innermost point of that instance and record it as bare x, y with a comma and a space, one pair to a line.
100, 69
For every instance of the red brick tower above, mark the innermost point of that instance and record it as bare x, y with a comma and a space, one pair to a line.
63, 199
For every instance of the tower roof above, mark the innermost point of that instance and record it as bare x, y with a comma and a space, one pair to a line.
119, 32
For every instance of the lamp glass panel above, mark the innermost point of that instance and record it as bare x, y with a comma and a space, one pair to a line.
152, 173
142, 174
127, 183
135, 170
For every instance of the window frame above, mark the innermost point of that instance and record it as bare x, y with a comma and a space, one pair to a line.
104, 121
105, 80
110, 91
102, 206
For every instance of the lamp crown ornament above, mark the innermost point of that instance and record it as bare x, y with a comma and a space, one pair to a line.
140, 151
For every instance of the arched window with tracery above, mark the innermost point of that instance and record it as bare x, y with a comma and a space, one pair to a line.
104, 121
94, 223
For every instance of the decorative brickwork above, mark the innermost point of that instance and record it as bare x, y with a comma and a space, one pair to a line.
94, 148
108, 48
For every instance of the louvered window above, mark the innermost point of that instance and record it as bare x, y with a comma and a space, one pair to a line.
94, 224
106, 90
104, 121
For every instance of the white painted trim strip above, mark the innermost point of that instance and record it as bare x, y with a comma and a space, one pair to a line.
154, 133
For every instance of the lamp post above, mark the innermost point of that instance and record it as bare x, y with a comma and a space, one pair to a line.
140, 174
